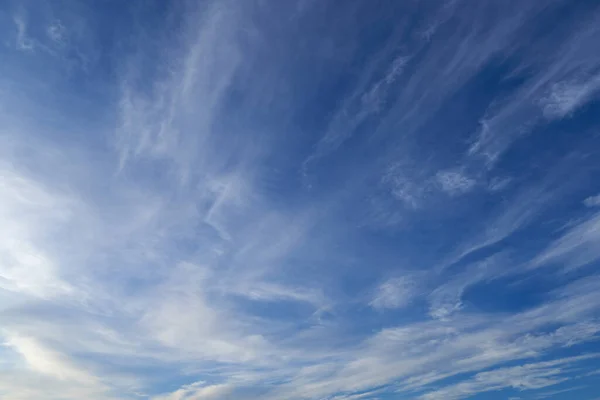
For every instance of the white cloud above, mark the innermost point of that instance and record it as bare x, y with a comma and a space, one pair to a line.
154, 123
551, 394
526, 377
56, 375
49, 362
422, 353
269, 291
566, 97
394, 293
367, 100
556, 91
454, 182
446, 299
592, 201
207, 333
516, 212
577, 247
29, 212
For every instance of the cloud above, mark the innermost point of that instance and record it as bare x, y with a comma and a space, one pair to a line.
592, 201
446, 299
30, 211
423, 353
209, 332
57, 32
566, 97
267, 291
454, 182
561, 86
577, 247
23, 42
497, 184
369, 99
525, 377
394, 293
48, 362
56, 375
517, 211
406, 184
151, 123
550, 394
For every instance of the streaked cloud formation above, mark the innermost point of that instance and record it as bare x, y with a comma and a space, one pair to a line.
299, 200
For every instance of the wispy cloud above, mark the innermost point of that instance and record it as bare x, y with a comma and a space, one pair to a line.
577, 247
57, 375
525, 377
57, 32
550, 394
565, 97
23, 42
454, 182
592, 201
49, 362
395, 293
557, 90
29, 212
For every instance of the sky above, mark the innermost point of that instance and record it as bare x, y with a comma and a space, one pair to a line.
299, 200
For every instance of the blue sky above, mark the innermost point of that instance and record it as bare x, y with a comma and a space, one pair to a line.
325, 200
